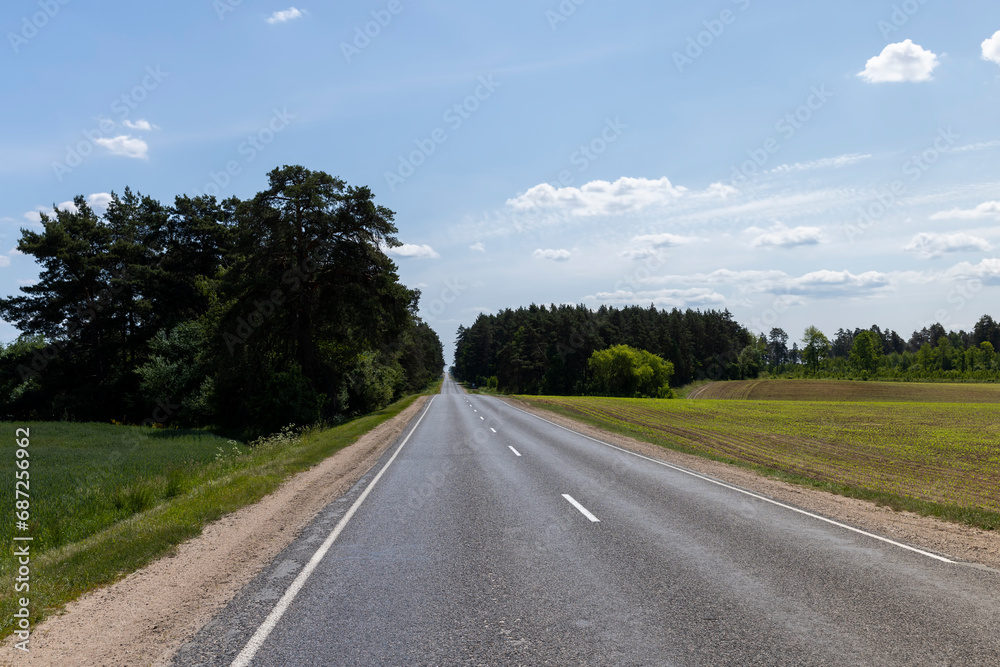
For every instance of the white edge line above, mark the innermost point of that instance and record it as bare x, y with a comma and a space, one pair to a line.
583, 510
744, 491
259, 637
516, 453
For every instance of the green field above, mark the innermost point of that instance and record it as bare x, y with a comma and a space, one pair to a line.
107, 500
848, 390
940, 459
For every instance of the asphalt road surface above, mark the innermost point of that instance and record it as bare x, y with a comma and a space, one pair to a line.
493, 537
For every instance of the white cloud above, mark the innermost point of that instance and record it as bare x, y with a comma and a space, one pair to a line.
825, 163
929, 246
554, 255
780, 236
903, 61
665, 298
285, 15
413, 251
663, 240
140, 124
650, 243
478, 247
4, 261
626, 195
126, 146
99, 202
991, 48
981, 146
989, 209
988, 270
827, 283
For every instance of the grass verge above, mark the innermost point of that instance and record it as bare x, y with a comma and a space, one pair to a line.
918, 457
173, 508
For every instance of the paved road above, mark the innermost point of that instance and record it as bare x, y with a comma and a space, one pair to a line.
496, 538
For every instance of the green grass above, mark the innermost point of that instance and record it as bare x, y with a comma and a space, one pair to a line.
107, 500
936, 459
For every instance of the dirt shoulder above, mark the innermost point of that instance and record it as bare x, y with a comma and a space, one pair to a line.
144, 618
955, 541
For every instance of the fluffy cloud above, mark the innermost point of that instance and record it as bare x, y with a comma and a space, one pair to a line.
991, 48
4, 261
284, 15
825, 163
780, 236
478, 247
989, 209
126, 146
827, 283
626, 195
903, 61
98, 202
554, 255
929, 246
987, 270
412, 251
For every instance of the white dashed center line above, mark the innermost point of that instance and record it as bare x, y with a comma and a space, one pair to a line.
493, 429
516, 453
583, 510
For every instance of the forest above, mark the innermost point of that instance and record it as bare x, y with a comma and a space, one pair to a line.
546, 350
247, 315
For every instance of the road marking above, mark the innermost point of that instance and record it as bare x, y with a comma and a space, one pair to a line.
583, 510
493, 429
516, 453
744, 491
259, 637
483, 418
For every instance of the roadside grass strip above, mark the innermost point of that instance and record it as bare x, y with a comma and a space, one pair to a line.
116, 498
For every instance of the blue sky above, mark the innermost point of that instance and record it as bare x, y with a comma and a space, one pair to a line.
824, 163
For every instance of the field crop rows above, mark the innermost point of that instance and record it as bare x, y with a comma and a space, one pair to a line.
941, 453
848, 390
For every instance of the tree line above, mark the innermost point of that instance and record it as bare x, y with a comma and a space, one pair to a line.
931, 353
547, 350
243, 314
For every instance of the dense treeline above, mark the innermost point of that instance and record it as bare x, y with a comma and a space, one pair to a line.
932, 353
245, 314
546, 350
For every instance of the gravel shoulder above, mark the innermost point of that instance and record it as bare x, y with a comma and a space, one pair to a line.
144, 618
955, 541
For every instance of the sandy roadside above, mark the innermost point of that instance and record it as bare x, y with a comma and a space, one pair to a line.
144, 618
955, 541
